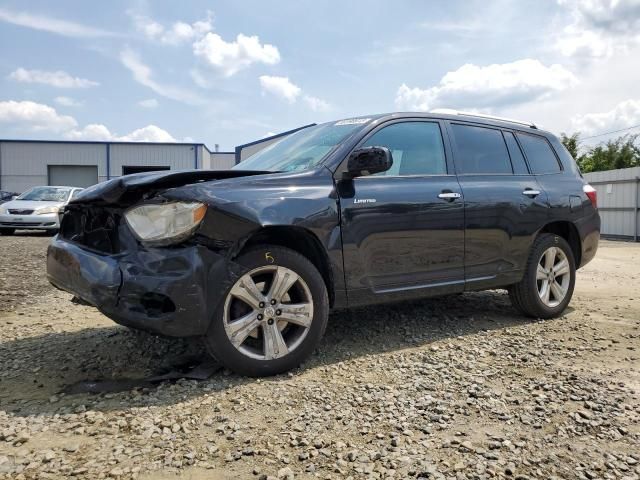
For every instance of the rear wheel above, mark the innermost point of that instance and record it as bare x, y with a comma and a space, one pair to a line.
7, 231
273, 316
547, 286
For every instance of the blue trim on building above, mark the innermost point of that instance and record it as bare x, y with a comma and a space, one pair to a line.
239, 148
195, 157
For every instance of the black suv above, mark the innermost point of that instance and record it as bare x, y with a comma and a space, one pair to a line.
354, 212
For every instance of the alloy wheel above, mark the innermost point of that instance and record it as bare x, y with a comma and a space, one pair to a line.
553, 276
268, 312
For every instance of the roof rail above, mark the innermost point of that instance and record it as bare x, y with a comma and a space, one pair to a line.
450, 111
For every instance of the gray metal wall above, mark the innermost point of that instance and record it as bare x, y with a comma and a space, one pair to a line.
177, 157
249, 150
618, 201
221, 160
24, 164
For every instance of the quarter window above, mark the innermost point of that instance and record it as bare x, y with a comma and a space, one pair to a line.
417, 148
480, 150
539, 154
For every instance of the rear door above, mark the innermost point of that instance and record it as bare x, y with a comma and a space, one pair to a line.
504, 204
403, 230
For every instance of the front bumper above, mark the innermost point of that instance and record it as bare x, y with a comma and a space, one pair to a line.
31, 222
169, 291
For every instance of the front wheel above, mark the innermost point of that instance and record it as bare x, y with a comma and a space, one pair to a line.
273, 316
549, 279
7, 231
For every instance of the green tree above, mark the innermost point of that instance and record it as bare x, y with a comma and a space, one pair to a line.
571, 143
621, 152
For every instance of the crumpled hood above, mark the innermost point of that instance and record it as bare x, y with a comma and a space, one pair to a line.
129, 188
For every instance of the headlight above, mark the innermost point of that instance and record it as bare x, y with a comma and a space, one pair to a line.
2, 210
46, 210
165, 223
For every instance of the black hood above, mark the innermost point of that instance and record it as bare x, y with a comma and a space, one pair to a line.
129, 188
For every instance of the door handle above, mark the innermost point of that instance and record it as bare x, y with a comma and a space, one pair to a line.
531, 193
451, 196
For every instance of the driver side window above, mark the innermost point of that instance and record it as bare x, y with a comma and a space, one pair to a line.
416, 147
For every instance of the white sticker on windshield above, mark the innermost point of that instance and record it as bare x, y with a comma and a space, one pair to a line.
353, 121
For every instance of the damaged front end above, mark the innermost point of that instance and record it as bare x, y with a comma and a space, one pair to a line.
170, 288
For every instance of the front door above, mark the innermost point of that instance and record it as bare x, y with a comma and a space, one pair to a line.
403, 230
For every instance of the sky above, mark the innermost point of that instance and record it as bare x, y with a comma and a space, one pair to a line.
229, 73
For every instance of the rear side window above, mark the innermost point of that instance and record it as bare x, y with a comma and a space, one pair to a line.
416, 147
480, 150
517, 159
539, 154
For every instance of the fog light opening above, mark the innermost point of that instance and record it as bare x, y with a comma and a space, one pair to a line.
156, 304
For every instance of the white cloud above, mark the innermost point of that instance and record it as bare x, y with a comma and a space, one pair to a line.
201, 79
59, 78
231, 57
624, 115
281, 87
284, 88
178, 33
150, 133
148, 103
144, 75
52, 25
316, 104
67, 102
35, 116
490, 86
97, 131
600, 28
38, 117
93, 131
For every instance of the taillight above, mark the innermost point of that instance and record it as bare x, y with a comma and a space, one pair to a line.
592, 193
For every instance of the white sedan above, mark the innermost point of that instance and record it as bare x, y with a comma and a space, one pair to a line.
36, 209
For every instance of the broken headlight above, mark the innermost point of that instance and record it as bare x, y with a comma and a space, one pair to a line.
165, 223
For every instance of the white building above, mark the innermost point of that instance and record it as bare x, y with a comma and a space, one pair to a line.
28, 163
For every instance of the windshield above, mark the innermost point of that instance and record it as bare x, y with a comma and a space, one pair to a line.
45, 194
302, 150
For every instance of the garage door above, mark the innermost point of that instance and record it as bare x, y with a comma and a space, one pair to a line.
73, 175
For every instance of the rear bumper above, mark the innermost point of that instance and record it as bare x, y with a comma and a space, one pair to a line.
589, 230
31, 222
168, 291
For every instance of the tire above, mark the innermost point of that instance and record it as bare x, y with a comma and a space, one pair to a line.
528, 296
255, 356
7, 231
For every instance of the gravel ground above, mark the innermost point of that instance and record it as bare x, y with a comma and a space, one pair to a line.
452, 388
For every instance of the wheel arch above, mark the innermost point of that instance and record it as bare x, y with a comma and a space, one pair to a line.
569, 232
300, 240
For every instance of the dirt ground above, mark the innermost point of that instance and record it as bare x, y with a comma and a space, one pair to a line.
451, 388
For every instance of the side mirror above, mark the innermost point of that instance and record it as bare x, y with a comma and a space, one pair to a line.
14, 197
368, 160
